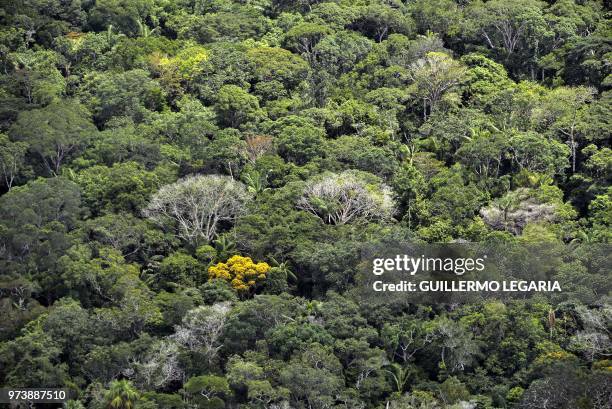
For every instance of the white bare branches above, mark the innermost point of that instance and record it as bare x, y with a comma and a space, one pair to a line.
197, 204
345, 197
594, 340
161, 366
516, 209
202, 328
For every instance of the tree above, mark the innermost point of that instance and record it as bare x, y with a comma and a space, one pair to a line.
484, 154
209, 387
180, 269
235, 24
347, 196
563, 111
300, 144
226, 152
456, 344
257, 146
338, 53
285, 340
54, 133
403, 340
277, 65
32, 358
352, 152
263, 393
202, 328
510, 28
313, 377
409, 187
484, 79
12, 159
240, 371
133, 237
241, 272
127, 94
437, 16
594, 340
35, 221
377, 21
161, 366
123, 187
452, 390
399, 376
198, 205
511, 213
235, 105
121, 395
304, 37
433, 76
535, 153
37, 77
123, 14
73, 340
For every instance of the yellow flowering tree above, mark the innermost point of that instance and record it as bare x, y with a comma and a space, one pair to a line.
241, 272
179, 71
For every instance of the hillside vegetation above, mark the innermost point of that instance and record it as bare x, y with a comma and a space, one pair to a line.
186, 189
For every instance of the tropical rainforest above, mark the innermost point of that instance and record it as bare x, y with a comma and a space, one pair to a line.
186, 188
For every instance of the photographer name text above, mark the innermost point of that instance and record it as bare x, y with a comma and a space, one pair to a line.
468, 286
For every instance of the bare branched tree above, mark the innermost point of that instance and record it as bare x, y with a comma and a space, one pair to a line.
202, 328
345, 197
197, 204
515, 210
161, 366
594, 340
257, 145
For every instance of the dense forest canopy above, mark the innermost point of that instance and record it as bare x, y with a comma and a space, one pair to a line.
186, 188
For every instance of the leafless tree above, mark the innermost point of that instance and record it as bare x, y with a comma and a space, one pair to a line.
342, 198
197, 204
202, 328
515, 210
257, 145
161, 366
594, 340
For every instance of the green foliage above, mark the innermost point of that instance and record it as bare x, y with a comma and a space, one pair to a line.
121, 395
54, 133
235, 105
145, 145
123, 187
129, 94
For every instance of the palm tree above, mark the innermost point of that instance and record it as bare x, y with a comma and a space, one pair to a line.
283, 267
73, 404
399, 375
225, 246
256, 182
121, 395
582, 237
144, 30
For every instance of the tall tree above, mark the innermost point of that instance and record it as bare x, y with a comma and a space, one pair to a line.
55, 133
563, 112
198, 205
433, 76
12, 159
